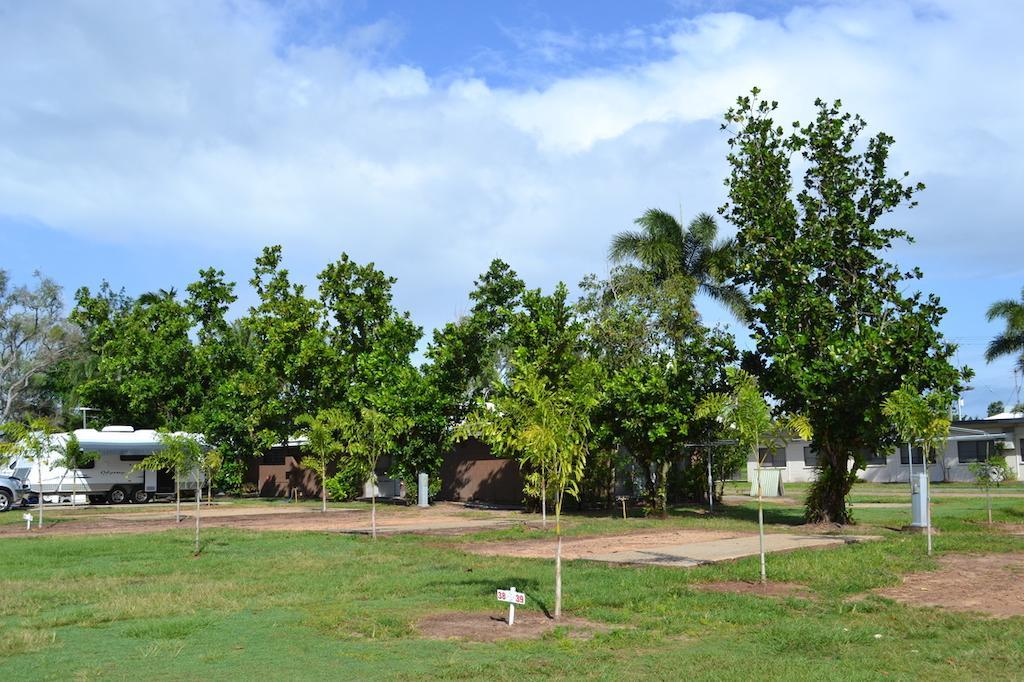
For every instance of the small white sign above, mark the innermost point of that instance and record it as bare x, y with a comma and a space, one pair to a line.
512, 597
28, 520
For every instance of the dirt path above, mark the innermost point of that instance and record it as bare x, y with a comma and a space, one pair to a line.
440, 518
992, 584
680, 549
590, 547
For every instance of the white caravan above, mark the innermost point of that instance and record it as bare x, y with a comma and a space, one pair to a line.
108, 478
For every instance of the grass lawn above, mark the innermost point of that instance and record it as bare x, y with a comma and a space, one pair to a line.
277, 605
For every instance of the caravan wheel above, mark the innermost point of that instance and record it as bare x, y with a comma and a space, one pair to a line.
97, 499
140, 496
117, 496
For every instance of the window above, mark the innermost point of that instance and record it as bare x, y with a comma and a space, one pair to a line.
133, 458
810, 457
872, 458
274, 459
904, 455
973, 450
91, 464
774, 457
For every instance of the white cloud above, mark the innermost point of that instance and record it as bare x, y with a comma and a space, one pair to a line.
204, 123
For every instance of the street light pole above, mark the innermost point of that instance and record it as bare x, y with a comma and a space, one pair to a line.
85, 411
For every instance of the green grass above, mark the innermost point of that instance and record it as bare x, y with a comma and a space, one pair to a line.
319, 606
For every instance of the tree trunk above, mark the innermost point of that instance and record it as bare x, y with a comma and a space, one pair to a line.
558, 554
826, 498
988, 496
558, 577
177, 499
543, 497
663, 488
199, 499
711, 483
40, 465
760, 516
323, 485
373, 511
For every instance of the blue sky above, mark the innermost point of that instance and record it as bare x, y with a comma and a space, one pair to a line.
140, 142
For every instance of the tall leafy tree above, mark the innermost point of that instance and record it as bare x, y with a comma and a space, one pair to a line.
834, 328
664, 248
286, 332
466, 359
1011, 340
657, 362
34, 338
146, 374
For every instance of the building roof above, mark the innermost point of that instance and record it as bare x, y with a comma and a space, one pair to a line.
1001, 420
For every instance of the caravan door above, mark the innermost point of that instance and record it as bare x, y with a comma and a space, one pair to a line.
150, 481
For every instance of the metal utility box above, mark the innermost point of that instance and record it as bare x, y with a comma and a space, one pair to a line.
423, 491
919, 501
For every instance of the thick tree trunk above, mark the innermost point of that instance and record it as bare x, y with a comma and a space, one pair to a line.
826, 498
663, 488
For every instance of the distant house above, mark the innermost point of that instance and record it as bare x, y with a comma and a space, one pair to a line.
1001, 435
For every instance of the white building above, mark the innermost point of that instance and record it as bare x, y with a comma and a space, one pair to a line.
969, 441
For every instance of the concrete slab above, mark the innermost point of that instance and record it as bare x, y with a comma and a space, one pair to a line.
698, 553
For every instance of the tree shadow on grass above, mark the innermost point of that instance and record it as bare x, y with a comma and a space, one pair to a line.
527, 586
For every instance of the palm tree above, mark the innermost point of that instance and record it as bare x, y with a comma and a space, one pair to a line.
664, 248
1011, 340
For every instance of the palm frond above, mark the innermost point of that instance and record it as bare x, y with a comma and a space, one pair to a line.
1010, 310
730, 296
1007, 343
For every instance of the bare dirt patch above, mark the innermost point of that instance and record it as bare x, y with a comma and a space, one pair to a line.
587, 547
992, 584
757, 589
489, 627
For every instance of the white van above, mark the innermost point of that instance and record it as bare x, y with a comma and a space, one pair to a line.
108, 478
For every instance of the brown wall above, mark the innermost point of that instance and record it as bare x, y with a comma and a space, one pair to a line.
470, 473
281, 471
